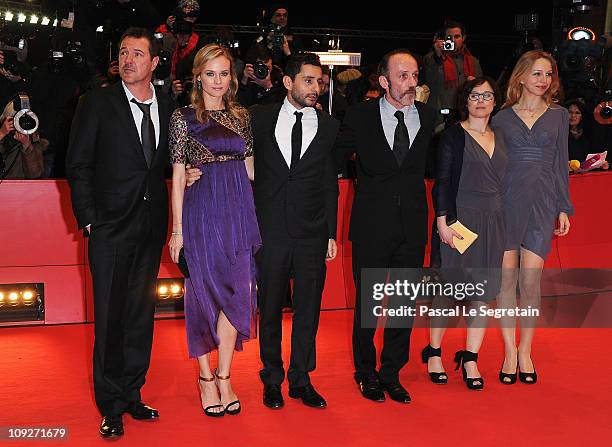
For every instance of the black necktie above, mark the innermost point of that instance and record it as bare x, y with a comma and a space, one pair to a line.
296, 139
147, 131
401, 140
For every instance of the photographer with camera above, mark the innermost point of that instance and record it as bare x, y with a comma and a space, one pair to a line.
179, 26
21, 148
278, 37
447, 66
258, 85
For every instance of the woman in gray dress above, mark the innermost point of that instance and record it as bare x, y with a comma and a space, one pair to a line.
471, 164
536, 196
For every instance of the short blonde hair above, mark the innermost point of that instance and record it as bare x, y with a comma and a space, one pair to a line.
523, 66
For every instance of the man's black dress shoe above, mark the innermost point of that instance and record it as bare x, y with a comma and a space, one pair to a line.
272, 397
309, 396
111, 426
142, 412
371, 389
397, 392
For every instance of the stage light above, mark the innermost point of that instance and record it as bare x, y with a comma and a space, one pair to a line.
581, 33
21, 17
45, 21
8, 16
163, 292
29, 297
13, 299
100, 29
33, 19
21, 302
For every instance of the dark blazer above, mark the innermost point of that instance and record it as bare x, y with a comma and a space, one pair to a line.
381, 184
112, 187
303, 200
448, 173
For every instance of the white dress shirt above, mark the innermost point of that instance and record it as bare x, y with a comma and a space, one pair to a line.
137, 113
389, 121
284, 127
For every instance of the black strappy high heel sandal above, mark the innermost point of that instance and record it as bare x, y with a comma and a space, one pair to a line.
528, 378
439, 378
207, 410
468, 356
227, 410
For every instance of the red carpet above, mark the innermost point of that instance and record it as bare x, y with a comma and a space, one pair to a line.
45, 380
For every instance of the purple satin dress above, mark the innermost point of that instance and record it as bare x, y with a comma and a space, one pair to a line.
220, 228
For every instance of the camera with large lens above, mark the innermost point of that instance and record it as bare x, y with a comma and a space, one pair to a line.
24, 120
261, 70
448, 44
182, 26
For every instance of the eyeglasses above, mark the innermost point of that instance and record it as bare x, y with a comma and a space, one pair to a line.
486, 96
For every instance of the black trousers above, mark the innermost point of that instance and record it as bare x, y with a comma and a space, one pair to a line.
277, 258
124, 282
390, 250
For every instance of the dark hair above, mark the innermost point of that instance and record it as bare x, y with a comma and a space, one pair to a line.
383, 66
448, 24
468, 86
140, 33
579, 102
294, 66
257, 52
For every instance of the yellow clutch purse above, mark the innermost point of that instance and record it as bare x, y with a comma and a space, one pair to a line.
468, 237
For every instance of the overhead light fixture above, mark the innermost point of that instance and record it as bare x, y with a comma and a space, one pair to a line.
34, 19
45, 21
100, 29
333, 58
8, 16
581, 33
21, 17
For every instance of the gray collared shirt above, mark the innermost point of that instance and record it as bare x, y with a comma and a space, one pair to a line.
389, 121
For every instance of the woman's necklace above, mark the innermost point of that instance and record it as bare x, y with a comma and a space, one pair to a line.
531, 113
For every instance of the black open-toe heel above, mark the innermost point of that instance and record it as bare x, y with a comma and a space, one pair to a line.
528, 378
506, 378
468, 356
208, 410
227, 410
439, 378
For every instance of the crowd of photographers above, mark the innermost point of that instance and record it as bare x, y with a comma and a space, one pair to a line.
54, 85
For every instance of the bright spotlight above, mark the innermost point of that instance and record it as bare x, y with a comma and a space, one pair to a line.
21, 17
45, 21
8, 16
581, 33
13, 298
34, 19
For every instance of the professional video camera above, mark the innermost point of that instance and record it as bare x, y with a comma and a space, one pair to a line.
70, 58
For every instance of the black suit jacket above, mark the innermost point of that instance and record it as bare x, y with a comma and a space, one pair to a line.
112, 187
304, 200
382, 185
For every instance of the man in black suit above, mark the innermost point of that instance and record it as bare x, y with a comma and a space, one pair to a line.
115, 166
388, 226
296, 197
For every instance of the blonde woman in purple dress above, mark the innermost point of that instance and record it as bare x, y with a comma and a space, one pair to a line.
536, 197
214, 220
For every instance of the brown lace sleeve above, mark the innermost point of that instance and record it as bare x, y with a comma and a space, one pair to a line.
248, 135
178, 138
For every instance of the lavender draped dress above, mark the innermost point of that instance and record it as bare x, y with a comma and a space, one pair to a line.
220, 228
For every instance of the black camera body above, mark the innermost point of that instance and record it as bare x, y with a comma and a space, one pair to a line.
278, 36
182, 26
261, 70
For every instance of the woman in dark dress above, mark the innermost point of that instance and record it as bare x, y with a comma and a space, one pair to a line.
471, 164
536, 196
215, 221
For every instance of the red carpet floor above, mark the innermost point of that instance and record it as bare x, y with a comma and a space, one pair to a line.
45, 380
